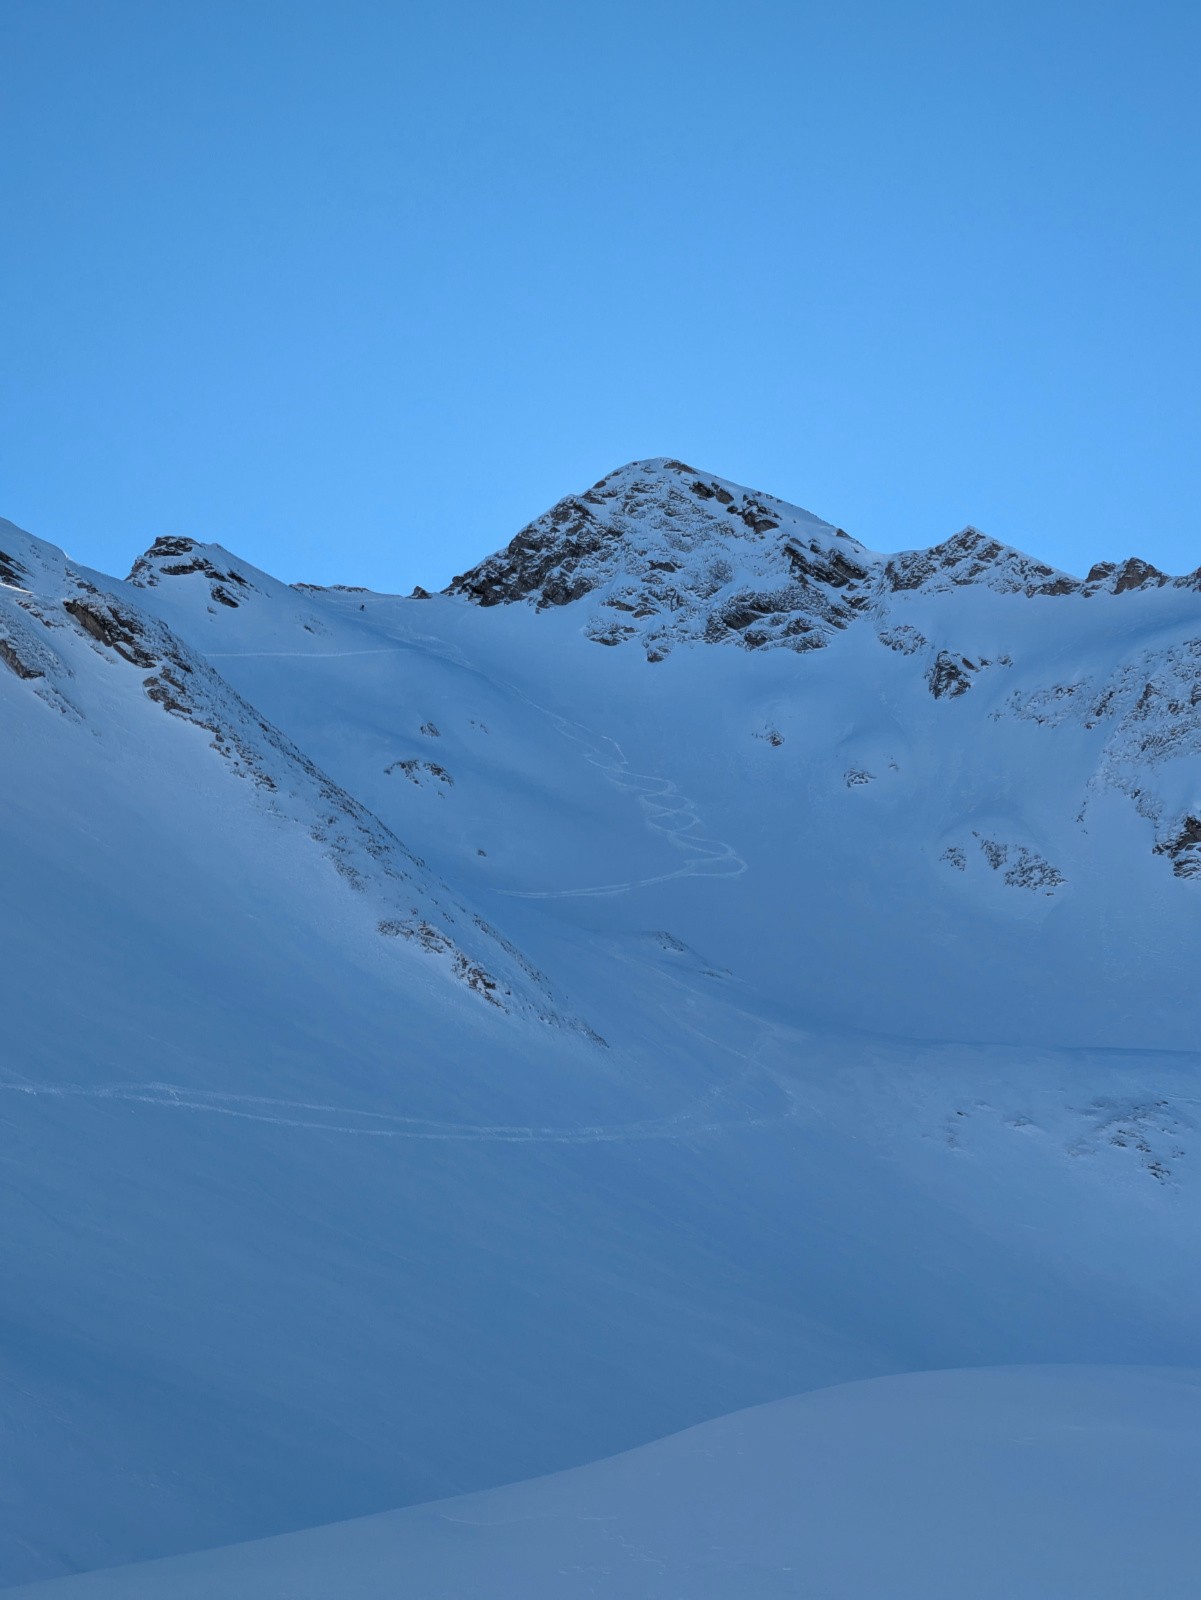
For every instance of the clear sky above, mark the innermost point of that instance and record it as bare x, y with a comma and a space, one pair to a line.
357, 288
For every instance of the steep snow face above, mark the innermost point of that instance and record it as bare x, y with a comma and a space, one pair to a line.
55, 618
1060, 1481
843, 1019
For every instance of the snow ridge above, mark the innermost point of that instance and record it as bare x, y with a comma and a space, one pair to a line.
53, 613
665, 553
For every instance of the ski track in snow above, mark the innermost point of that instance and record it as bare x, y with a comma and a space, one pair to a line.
314, 1116
665, 809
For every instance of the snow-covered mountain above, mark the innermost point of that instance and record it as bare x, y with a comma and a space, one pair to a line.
441, 1050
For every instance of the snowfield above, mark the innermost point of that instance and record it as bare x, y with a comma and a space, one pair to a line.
695, 961
1046, 1482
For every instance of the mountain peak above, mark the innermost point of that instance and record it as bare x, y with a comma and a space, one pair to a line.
972, 557
669, 552
175, 557
666, 552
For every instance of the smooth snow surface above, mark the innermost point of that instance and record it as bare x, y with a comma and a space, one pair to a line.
452, 1042
1043, 1483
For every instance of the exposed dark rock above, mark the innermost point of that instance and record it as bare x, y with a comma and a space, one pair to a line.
167, 690
824, 566
971, 557
11, 571
413, 770
1032, 871
612, 633
1111, 577
1025, 868
165, 546
1136, 574
1183, 849
950, 675
540, 562
424, 934
743, 609
108, 625
10, 658
995, 853
755, 516
170, 557
904, 638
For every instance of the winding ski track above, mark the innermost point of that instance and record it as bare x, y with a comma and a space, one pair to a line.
666, 811
319, 1118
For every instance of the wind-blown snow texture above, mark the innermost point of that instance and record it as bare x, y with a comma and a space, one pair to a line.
441, 1050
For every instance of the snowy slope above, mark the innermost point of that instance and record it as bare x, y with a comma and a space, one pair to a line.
1053, 1483
103, 665
969, 775
442, 1050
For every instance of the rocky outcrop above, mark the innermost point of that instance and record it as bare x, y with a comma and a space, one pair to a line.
180, 558
11, 571
1183, 847
547, 562
1147, 713
106, 621
971, 557
15, 662
1120, 577
950, 676
421, 772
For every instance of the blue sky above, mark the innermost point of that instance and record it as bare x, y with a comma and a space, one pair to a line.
358, 289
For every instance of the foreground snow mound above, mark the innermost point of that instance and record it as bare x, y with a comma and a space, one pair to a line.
1046, 1483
